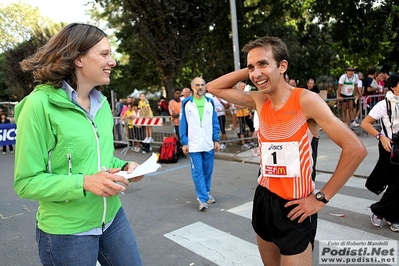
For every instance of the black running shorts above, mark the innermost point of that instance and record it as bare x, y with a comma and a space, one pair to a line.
270, 222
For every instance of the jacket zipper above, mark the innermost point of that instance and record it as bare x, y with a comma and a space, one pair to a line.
97, 135
49, 162
69, 156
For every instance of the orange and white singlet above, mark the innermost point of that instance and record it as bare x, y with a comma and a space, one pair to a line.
286, 149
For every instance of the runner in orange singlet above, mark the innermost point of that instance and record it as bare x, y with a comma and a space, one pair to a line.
285, 204
285, 171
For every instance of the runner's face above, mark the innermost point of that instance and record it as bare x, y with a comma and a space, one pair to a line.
263, 69
350, 72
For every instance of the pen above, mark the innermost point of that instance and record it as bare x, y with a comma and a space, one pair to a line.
106, 170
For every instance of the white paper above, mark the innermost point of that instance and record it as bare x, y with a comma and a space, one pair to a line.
149, 166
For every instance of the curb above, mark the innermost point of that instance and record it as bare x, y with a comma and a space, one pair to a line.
233, 157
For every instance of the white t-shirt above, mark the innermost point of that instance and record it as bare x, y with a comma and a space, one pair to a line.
220, 109
360, 85
348, 84
379, 111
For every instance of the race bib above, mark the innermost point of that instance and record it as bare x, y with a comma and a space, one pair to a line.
280, 159
347, 88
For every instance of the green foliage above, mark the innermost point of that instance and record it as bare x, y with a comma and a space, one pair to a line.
170, 42
158, 36
18, 22
18, 83
363, 32
22, 31
164, 44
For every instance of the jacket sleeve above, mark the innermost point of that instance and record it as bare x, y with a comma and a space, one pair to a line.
183, 126
35, 141
215, 123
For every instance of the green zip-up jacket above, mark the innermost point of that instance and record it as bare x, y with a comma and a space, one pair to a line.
57, 144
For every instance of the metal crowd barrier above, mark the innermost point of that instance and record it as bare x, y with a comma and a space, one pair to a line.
123, 137
166, 128
366, 103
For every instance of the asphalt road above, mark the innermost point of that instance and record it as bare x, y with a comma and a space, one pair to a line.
170, 231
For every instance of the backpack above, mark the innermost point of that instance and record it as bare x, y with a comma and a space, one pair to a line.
162, 106
169, 150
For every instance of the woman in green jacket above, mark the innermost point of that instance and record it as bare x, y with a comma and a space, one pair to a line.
64, 146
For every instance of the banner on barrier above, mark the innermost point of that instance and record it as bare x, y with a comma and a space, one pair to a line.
8, 133
151, 121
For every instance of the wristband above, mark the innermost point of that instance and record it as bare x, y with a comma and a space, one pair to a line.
125, 167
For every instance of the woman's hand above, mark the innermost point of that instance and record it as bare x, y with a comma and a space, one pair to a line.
105, 184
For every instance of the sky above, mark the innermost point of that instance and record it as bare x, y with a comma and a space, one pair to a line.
58, 10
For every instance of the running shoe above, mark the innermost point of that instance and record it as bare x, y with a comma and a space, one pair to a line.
245, 146
376, 221
203, 206
211, 198
393, 226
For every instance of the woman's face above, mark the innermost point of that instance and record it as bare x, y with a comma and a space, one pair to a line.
94, 68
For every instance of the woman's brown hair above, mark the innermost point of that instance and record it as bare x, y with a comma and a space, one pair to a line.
54, 62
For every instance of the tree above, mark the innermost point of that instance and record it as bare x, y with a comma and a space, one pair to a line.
170, 42
22, 31
363, 32
159, 34
18, 83
18, 21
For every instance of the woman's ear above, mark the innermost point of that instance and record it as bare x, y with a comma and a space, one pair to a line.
78, 62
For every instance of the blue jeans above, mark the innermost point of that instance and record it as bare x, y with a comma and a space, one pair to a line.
116, 246
201, 171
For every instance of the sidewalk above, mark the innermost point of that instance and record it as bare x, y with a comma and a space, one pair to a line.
327, 159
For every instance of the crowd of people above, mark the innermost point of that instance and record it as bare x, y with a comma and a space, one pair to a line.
51, 155
240, 120
355, 97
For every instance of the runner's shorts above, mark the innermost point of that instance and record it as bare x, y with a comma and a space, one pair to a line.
270, 222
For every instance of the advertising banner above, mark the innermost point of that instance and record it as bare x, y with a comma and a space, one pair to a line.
8, 133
